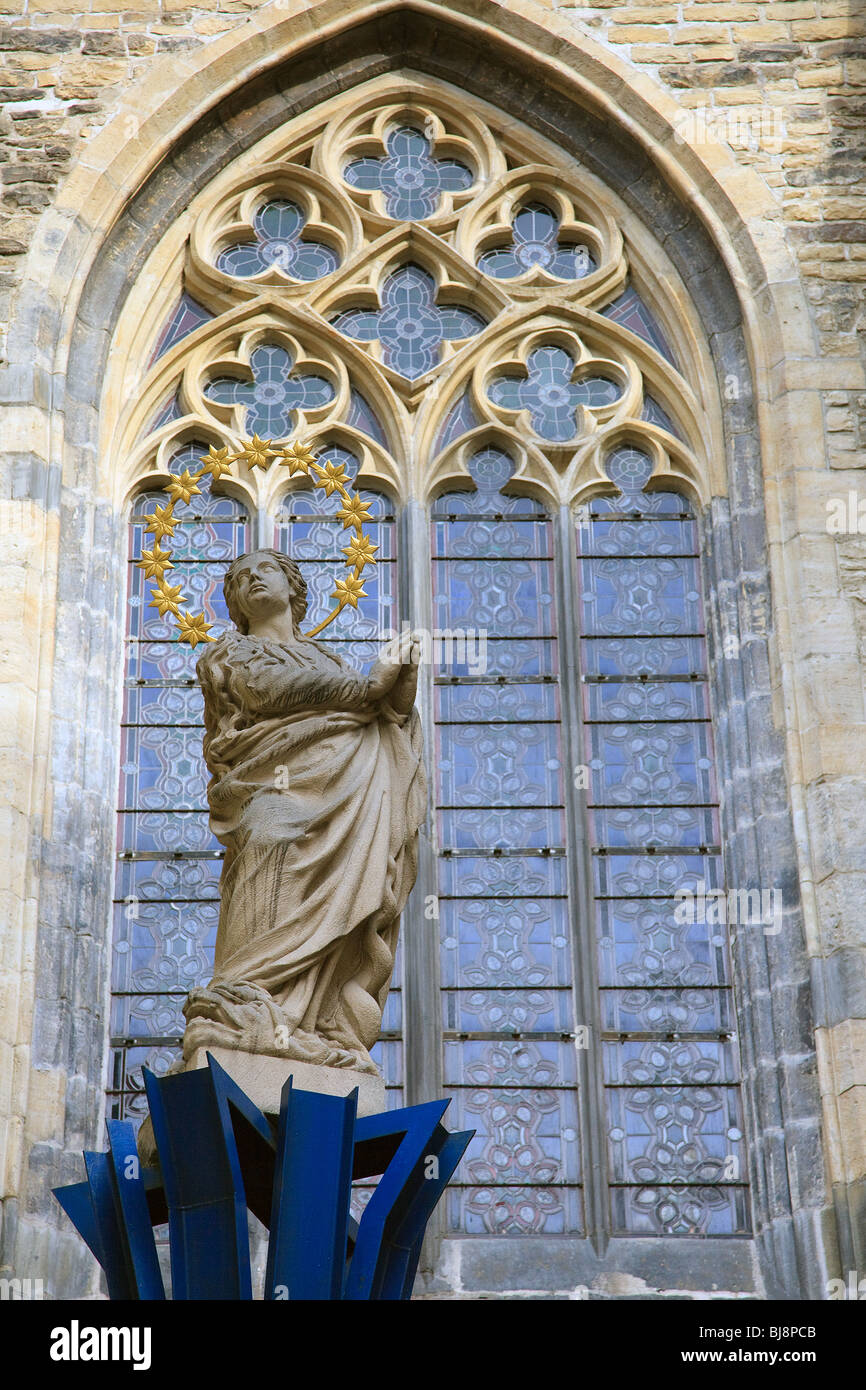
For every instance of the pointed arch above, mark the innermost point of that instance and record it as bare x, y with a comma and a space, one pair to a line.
700, 236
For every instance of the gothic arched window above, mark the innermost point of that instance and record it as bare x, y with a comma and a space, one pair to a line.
439, 302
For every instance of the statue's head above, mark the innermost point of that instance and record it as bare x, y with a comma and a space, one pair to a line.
262, 584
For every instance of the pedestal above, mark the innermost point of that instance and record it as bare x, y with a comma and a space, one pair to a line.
262, 1079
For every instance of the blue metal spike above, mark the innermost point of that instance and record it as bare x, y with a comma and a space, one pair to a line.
77, 1201
114, 1256
194, 1116
312, 1191
143, 1261
379, 1265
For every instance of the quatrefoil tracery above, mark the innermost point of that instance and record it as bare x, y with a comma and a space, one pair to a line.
410, 326
278, 243
437, 261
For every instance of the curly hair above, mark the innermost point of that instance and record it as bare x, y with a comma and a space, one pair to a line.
297, 588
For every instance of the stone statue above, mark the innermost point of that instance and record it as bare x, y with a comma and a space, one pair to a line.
317, 791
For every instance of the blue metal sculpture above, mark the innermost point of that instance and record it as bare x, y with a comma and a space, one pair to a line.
218, 1156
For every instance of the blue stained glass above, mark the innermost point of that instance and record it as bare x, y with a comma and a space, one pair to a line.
653, 798
277, 226
654, 413
535, 244
679, 1062
168, 411
499, 765
525, 703
630, 310
640, 596
512, 876
410, 177
667, 827
274, 394
461, 418
518, 1135
488, 942
641, 763
507, 1010
504, 923
641, 943
410, 325
629, 469
646, 700
655, 876
361, 416
549, 393
185, 318
667, 1011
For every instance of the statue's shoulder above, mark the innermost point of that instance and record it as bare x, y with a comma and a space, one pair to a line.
227, 647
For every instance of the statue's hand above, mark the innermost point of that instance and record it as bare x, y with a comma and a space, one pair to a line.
395, 674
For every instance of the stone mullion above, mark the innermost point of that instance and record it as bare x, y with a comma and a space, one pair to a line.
590, 1095
422, 1028
423, 1061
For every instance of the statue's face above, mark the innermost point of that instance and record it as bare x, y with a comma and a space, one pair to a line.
262, 587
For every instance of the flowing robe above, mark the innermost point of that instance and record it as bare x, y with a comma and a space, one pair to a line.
317, 794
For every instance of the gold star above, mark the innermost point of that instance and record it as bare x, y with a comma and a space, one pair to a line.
334, 477
348, 591
166, 599
162, 522
218, 461
155, 562
182, 486
297, 458
194, 629
359, 551
354, 512
258, 453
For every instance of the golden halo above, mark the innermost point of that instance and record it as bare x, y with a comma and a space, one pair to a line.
257, 453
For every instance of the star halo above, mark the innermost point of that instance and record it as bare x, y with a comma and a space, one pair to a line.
256, 453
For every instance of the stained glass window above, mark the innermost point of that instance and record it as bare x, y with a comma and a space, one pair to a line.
535, 244
168, 863
507, 1010
410, 325
274, 395
460, 418
279, 243
580, 1013
411, 178
550, 394
674, 1128
186, 316
630, 310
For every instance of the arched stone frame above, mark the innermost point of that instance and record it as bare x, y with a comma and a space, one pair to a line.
635, 151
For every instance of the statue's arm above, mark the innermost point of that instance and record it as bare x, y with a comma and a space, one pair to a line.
267, 685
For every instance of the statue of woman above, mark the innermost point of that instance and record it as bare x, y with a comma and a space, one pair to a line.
317, 791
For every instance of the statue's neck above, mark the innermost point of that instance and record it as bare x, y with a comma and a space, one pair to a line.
279, 628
